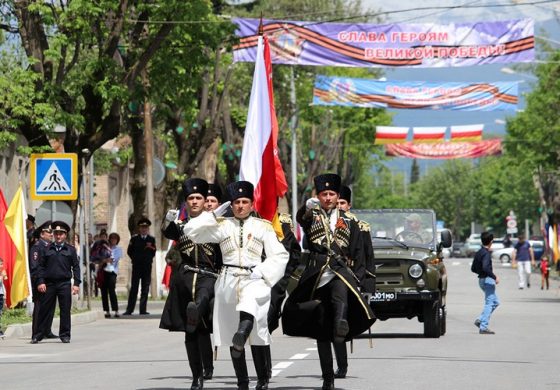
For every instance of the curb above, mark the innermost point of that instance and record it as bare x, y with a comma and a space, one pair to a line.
24, 330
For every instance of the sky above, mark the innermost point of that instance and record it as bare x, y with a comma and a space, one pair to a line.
545, 25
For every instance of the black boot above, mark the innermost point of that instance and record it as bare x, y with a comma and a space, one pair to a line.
195, 363
260, 359
269, 362
192, 317
341, 360
243, 331
240, 367
340, 323
326, 361
205, 345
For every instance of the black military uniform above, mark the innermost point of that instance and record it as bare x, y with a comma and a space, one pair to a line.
34, 256
326, 304
188, 305
364, 271
141, 250
58, 264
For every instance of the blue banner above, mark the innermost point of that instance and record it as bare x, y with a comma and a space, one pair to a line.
459, 96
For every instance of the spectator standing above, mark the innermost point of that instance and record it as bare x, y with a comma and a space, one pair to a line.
141, 250
545, 271
58, 264
524, 257
110, 270
487, 280
30, 226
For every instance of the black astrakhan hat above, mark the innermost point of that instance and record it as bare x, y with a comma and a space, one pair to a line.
345, 193
327, 181
144, 222
240, 189
215, 191
195, 185
60, 226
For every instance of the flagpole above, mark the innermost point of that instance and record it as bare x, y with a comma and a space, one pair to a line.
293, 125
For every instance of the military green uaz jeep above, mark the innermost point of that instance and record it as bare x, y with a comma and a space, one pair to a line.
411, 280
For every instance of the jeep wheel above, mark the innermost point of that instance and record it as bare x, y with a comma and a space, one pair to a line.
432, 318
443, 320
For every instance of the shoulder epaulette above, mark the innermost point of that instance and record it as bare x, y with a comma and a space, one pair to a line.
263, 220
285, 218
350, 215
364, 226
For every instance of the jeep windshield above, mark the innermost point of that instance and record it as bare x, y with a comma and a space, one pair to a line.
412, 227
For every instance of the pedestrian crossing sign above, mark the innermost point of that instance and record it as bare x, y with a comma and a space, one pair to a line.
54, 176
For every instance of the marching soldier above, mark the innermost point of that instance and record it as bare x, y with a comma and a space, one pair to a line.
141, 250
187, 308
242, 290
58, 264
366, 273
214, 197
326, 304
43, 240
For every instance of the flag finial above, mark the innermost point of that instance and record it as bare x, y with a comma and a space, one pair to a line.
261, 30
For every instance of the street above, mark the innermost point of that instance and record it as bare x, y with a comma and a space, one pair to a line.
133, 353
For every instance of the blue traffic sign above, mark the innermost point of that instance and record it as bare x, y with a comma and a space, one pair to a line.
54, 176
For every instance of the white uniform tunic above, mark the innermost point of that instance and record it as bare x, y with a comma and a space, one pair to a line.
242, 244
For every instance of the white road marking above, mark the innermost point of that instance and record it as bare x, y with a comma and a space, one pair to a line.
299, 356
310, 349
282, 365
276, 372
456, 263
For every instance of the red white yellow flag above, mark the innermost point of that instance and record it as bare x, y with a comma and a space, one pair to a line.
390, 135
428, 134
466, 133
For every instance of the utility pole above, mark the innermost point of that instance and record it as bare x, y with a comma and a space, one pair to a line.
84, 250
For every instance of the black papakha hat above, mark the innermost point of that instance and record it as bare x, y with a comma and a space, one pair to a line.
327, 181
240, 189
60, 226
195, 185
345, 193
31, 218
215, 191
144, 222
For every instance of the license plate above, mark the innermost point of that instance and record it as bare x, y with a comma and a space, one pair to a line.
383, 297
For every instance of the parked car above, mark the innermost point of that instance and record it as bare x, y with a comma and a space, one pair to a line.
458, 249
504, 255
411, 280
472, 245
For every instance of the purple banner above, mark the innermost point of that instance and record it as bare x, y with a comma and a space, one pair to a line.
389, 45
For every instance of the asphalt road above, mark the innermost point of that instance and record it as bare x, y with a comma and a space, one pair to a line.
133, 353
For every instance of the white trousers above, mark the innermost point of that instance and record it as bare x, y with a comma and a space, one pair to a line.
524, 273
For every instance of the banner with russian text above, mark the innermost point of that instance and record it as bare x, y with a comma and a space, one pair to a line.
416, 45
458, 96
446, 150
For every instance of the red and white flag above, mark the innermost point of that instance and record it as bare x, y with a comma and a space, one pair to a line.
390, 135
466, 133
260, 164
428, 134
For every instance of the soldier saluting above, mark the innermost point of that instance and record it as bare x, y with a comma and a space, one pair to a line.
187, 308
326, 304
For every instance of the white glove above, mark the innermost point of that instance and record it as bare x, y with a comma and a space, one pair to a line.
221, 210
171, 215
255, 274
312, 203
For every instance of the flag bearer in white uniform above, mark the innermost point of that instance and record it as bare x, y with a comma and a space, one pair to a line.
242, 290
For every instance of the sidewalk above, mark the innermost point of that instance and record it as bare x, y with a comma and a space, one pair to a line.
24, 330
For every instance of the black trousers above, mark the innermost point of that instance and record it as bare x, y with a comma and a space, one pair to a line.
61, 290
143, 277
335, 292
108, 291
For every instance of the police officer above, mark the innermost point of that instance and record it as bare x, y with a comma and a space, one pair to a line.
58, 264
326, 304
242, 297
187, 308
141, 250
42, 238
364, 271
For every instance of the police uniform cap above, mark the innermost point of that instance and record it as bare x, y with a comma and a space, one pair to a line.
240, 189
45, 226
60, 226
345, 193
144, 222
327, 181
195, 185
215, 191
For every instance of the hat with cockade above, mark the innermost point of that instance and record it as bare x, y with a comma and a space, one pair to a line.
240, 189
215, 191
345, 193
195, 185
144, 222
327, 181
60, 226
